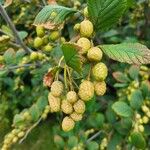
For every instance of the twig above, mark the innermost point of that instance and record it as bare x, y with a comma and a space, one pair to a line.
94, 136
12, 27
29, 130
16, 67
44, 2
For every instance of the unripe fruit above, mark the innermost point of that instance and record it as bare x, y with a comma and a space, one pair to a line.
94, 54
86, 90
1, 59
138, 116
40, 31
67, 124
48, 48
72, 96
54, 103
85, 12
62, 40
145, 119
79, 107
77, 27
57, 88
34, 56
38, 42
54, 35
86, 28
85, 44
76, 117
100, 88
15, 139
100, 71
21, 134
45, 40
145, 108
66, 107
148, 114
141, 128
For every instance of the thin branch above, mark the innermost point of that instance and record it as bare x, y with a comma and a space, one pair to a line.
16, 67
12, 27
94, 136
29, 130
44, 2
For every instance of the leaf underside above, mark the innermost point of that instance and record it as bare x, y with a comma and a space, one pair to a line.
105, 13
52, 16
132, 53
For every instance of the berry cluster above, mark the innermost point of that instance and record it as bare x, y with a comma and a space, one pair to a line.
73, 103
13, 137
104, 144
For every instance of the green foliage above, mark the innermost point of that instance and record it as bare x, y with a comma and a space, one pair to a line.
52, 16
136, 99
138, 140
71, 55
122, 109
105, 13
132, 53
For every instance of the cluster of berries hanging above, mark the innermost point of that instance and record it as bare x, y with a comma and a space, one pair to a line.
73, 103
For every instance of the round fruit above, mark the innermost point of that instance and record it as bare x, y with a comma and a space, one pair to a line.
72, 97
66, 107
67, 124
45, 39
100, 71
95, 54
85, 44
100, 88
48, 48
76, 117
77, 27
86, 28
38, 42
40, 31
54, 103
57, 88
54, 35
1, 59
86, 90
79, 107
34, 56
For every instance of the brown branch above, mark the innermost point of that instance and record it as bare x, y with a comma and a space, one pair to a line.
12, 27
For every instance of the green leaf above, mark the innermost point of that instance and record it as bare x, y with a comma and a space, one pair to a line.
41, 104
136, 99
124, 126
132, 53
52, 16
92, 145
138, 140
72, 141
72, 57
122, 109
23, 34
121, 77
18, 119
35, 113
9, 56
134, 72
114, 141
105, 13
